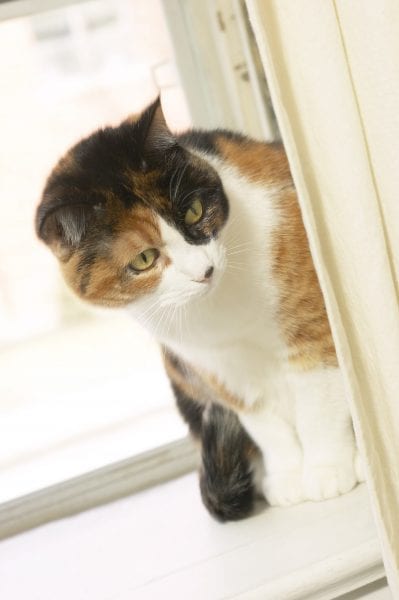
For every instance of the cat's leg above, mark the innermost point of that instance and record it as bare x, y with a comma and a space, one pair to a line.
325, 430
276, 437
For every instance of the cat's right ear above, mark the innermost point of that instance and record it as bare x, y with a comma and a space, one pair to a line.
61, 226
157, 135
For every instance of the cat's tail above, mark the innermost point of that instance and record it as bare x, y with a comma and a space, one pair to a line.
230, 461
227, 471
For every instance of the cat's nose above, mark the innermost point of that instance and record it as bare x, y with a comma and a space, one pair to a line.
207, 276
208, 273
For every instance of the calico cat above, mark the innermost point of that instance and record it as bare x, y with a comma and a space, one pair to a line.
200, 237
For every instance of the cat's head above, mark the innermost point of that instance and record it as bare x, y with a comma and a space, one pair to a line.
132, 215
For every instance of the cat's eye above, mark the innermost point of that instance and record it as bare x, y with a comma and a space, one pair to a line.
194, 213
145, 260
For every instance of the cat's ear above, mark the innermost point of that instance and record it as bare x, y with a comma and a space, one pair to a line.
62, 227
157, 136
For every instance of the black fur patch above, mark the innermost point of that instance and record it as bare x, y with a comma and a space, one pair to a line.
116, 167
226, 479
227, 452
190, 410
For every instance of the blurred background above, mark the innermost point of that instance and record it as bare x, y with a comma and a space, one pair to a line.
81, 388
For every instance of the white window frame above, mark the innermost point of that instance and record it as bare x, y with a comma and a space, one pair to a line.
12, 9
219, 66
98, 487
218, 97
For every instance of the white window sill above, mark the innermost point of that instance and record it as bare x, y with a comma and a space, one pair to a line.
161, 543
79, 398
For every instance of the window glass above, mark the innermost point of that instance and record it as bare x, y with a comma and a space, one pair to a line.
78, 387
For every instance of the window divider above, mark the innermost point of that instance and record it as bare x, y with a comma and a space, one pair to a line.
98, 487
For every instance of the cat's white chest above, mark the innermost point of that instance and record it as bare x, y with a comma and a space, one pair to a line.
247, 366
234, 333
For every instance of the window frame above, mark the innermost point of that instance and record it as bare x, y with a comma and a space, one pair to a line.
98, 487
161, 464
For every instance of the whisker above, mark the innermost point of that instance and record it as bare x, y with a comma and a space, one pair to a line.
181, 201
183, 170
172, 180
238, 252
149, 308
160, 320
181, 313
170, 317
151, 316
241, 245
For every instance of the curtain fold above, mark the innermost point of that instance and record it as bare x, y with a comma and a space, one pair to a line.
333, 72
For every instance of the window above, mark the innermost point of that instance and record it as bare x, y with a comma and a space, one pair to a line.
66, 392
79, 388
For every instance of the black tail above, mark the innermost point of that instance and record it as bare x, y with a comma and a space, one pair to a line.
226, 475
226, 478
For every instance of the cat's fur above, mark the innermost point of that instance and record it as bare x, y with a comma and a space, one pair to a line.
234, 299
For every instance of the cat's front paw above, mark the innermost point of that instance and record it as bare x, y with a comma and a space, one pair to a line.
283, 489
324, 482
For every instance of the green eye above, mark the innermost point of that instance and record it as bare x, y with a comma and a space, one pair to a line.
194, 213
145, 260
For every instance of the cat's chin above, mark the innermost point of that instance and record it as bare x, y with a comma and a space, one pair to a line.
208, 288
201, 290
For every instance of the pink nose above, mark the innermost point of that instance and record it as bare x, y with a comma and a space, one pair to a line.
207, 275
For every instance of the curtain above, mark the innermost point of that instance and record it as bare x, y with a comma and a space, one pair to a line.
333, 72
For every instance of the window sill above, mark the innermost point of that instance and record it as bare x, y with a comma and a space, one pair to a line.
85, 395
161, 543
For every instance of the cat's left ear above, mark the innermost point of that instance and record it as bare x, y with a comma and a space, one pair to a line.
157, 136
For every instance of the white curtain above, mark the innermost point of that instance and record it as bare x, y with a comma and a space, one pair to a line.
333, 71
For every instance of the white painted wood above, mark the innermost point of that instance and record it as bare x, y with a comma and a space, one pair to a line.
217, 67
337, 107
258, 82
162, 544
12, 9
378, 590
326, 579
92, 394
98, 487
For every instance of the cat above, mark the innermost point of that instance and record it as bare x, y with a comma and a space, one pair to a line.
200, 237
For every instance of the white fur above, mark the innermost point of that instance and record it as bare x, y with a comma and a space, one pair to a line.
228, 327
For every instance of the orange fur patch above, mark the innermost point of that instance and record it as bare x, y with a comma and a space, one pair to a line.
104, 279
137, 231
144, 184
257, 161
302, 312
